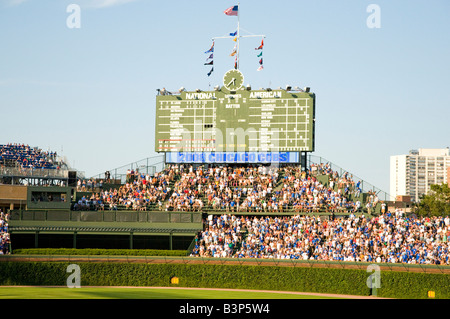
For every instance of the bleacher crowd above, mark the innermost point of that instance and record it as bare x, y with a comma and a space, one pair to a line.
23, 156
5, 239
140, 192
389, 238
231, 189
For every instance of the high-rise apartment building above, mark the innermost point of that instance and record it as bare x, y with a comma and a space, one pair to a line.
412, 174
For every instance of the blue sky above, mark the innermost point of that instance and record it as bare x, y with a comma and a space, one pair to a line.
89, 92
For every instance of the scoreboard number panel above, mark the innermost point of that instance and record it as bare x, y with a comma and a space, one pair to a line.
234, 119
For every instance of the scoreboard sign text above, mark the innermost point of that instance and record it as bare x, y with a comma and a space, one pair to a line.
232, 157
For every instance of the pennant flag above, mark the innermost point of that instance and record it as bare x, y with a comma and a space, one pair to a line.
209, 73
261, 46
260, 55
212, 48
210, 63
231, 11
210, 57
235, 39
233, 34
234, 50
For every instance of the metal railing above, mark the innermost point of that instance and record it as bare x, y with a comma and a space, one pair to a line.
33, 172
149, 165
365, 186
104, 216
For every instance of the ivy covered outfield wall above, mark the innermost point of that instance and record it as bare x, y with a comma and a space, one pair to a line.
317, 280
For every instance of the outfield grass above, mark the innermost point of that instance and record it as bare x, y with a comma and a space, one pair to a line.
141, 293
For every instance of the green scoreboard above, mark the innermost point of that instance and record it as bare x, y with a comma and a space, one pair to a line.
235, 119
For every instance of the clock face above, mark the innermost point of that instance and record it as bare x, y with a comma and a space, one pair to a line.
233, 80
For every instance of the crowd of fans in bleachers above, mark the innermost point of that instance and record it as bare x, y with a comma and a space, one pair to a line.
4, 234
239, 189
89, 185
231, 189
224, 188
389, 238
25, 157
140, 192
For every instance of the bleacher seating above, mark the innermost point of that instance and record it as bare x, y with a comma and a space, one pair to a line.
240, 189
23, 156
5, 239
388, 238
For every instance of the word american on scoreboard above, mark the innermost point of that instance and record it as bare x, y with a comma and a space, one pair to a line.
232, 157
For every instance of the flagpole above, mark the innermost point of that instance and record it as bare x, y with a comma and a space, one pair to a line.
238, 36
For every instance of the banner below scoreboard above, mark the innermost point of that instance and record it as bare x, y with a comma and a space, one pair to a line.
233, 157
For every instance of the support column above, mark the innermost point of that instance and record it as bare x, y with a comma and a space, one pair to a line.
75, 239
303, 160
131, 240
36, 239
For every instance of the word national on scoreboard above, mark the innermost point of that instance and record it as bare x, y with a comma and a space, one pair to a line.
235, 124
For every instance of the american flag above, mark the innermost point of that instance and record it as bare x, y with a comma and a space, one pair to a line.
231, 11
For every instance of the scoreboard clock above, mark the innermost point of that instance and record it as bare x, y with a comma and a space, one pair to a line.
233, 80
